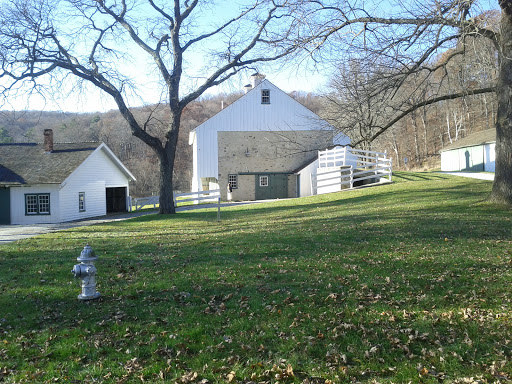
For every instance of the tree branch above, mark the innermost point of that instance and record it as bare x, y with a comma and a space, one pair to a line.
423, 104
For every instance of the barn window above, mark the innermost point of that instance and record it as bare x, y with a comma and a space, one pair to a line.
263, 181
265, 96
37, 204
233, 180
81, 201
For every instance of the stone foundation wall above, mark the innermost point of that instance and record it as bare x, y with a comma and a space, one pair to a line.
265, 152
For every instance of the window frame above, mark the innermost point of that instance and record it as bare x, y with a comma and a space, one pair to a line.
37, 207
266, 183
265, 96
231, 177
81, 202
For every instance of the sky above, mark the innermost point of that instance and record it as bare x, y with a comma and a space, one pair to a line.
295, 77
94, 100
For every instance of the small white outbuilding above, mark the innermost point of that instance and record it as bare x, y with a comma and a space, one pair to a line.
473, 153
59, 182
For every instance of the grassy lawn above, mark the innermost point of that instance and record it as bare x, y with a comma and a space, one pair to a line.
409, 282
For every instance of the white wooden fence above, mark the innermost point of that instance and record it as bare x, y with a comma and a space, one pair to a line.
141, 202
178, 198
341, 167
201, 196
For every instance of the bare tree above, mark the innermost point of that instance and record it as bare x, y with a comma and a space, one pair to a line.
359, 101
46, 43
411, 34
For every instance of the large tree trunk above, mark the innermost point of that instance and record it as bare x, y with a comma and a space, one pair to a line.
166, 157
502, 186
166, 184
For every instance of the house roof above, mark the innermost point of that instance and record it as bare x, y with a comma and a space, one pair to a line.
28, 163
477, 138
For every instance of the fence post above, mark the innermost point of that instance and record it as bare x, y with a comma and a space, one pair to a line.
351, 177
218, 209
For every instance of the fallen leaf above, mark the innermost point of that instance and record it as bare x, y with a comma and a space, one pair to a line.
231, 376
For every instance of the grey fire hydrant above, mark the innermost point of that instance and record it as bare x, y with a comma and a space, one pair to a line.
86, 271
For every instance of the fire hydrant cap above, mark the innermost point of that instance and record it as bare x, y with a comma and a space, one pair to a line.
87, 254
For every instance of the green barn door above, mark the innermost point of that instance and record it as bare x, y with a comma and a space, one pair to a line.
271, 186
5, 206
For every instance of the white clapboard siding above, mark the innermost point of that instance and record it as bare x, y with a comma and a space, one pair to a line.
18, 204
95, 201
490, 157
248, 114
307, 180
93, 176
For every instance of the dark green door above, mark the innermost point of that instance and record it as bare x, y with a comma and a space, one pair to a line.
5, 206
271, 186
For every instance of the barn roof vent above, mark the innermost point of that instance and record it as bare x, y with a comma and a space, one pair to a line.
256, 79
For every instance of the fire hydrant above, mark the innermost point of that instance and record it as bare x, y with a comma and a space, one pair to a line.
86, 271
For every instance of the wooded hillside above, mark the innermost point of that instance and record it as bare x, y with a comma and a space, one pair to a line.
418, 137
111, 128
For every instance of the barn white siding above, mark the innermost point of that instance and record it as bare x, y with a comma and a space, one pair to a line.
283, 113
195, 174
307, 180
18, 215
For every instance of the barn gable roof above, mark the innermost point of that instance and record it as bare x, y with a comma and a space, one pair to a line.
28, 163
301, 110
478, 138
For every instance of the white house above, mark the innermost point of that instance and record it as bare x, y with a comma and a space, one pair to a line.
53, 182
473, 153
261, 145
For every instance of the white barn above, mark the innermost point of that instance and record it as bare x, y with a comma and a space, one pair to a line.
473, 153
54, 183
261, 144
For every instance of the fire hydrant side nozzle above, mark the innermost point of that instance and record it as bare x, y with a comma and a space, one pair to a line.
86, 272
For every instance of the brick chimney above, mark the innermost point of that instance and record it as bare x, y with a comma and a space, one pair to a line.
48, 140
